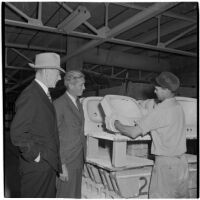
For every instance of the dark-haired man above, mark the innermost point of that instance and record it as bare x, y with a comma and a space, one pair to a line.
167, 125
70, 120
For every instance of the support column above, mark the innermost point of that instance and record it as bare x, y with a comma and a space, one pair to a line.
119, 154
75, 63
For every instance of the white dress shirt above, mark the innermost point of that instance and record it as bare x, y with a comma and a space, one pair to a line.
44, 87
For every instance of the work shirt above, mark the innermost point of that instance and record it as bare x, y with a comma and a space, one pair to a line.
167, 125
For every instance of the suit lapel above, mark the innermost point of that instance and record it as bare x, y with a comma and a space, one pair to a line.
47, 102
43, 96
73, 107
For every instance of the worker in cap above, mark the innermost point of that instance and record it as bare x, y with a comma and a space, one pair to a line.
166, 124
34, 130
167, 80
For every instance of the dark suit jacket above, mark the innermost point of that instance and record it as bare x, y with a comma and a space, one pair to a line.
70, 122
34, 130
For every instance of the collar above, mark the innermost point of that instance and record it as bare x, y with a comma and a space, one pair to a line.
71, 97
43, 86
168, 102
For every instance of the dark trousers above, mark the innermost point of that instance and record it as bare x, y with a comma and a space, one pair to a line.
72, 188
39, 184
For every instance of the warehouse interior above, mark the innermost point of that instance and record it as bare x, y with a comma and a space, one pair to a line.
119, 46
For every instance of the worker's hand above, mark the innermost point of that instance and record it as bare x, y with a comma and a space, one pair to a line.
38, 158
150, 104
64, 175
117, 125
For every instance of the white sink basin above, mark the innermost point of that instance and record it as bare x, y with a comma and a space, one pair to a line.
101, 112
93, 113
122, 108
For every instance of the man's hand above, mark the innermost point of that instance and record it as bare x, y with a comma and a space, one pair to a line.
64, 175
118, 125
38, 158
130, 131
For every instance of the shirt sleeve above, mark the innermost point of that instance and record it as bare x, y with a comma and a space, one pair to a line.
156, 119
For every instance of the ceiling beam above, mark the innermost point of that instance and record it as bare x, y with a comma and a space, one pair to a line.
101, 74
92, 43
186, 41
180, 35
106, 14
75, 19
167, 14
66, 7
150, 36
122, 71
142, 16
32, 47
19, 84
125, 60
11, 77
49, 29
40, 11
152, 47
21, 55
94, 67
118, 59
82, 49
16, 10
116, 78
150, 12
167, 28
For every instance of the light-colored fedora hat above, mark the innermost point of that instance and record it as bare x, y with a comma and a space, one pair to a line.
47, 61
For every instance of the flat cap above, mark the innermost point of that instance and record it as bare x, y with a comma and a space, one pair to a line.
168, 80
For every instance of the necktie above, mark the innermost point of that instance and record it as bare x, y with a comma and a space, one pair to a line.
49, 96
78, 103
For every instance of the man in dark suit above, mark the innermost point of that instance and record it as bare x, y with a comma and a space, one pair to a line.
70, 120
34, 130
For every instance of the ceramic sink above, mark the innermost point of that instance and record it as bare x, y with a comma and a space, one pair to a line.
122, 108
100, 113
94, 116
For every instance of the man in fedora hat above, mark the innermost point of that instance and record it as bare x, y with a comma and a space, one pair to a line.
34, 130
166, 121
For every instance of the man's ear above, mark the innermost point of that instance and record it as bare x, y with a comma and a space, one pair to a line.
168, 90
